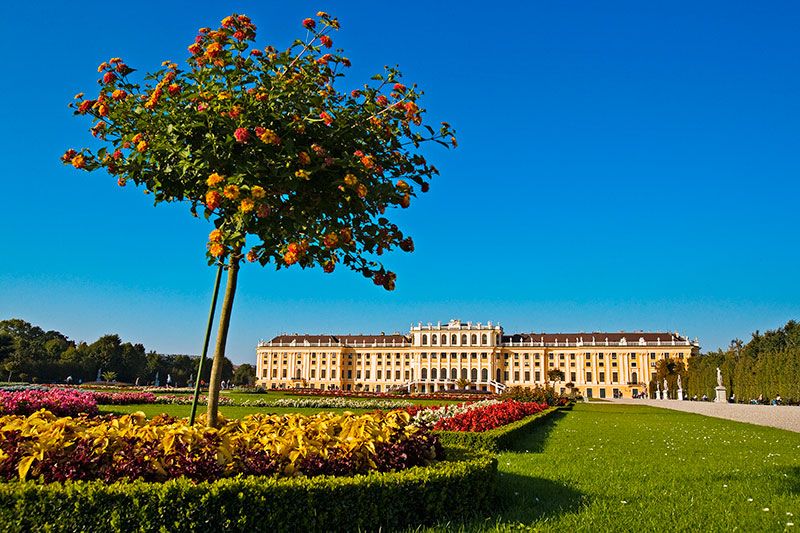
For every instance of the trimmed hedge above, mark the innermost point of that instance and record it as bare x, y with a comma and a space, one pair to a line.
494, 439
461, 487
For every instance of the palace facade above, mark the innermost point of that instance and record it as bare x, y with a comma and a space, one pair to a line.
479, 356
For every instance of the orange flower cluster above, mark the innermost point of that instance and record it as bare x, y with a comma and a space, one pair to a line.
166, 81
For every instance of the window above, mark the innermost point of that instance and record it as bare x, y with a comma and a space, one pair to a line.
572, 377
333, 373
474, 339
433, 373
527, 375
284, 373
349, 374
322, 373
516, 375
463, 373
602, 393
358, 374
634, 377
484, 339
378, 373
601, 377
424, 374
485, 374
614, 377
424, 340
444, 339
537, 375
463, 339
588, 377
433, 339
453, 373
505, 375
443, 373
274, 372
453, 339
407, 375
397, 375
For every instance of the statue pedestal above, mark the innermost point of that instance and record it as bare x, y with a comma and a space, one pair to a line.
680, 394
722, 397
664, 395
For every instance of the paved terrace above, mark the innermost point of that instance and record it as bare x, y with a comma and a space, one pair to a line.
777, 416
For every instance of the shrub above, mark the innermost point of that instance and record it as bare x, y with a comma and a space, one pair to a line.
456, 489
496, 439
536, 394
110, 448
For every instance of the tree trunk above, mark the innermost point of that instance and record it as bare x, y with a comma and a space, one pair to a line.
222, 339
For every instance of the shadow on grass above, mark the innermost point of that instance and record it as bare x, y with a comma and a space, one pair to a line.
534, 440
792, 478
526, 499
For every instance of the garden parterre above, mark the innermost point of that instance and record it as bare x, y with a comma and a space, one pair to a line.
49, 448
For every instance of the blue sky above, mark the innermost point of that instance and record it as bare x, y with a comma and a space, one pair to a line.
621, 166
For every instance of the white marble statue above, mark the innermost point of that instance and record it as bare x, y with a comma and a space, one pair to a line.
719, 377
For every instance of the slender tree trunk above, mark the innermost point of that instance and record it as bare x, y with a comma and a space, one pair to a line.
222, 339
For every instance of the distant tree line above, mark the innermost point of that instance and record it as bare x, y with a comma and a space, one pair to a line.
28, 353
767, 366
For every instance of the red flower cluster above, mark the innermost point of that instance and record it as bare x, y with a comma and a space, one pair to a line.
60, 402
490, 417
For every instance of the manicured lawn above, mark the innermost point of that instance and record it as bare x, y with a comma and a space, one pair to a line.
227, 411
606, 467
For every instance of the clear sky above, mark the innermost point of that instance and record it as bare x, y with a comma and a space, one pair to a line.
622, 165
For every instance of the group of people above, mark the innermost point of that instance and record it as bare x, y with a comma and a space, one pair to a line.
755, 401
777, 400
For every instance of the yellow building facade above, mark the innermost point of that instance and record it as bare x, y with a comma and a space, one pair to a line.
478, 356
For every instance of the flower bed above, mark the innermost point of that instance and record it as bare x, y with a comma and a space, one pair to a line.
489, 416
123, 398
48, 448
499, 438
456, 489
413, 396
430, 416
329, 403
170, 399
61, 402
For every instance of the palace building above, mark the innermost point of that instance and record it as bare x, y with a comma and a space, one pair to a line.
473, 355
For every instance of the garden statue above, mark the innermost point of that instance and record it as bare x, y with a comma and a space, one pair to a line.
680, 385
719, 377
98, 374
158, 381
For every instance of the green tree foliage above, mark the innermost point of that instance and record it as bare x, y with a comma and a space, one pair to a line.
669, 369
244, 375
766, 366
270, 148
29, 353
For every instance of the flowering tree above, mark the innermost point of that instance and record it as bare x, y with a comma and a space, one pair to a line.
290, 169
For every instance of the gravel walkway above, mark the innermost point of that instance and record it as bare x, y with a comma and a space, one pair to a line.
777, 416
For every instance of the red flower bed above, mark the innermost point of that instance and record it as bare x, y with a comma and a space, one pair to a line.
490, 417
123, 398
60, 402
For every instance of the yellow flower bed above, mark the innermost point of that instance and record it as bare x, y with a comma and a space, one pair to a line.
52, 449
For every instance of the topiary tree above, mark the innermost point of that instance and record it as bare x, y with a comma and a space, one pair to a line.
290, 169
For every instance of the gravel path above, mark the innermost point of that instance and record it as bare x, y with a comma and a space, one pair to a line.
777, 416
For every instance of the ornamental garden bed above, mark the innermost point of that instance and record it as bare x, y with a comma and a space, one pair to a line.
458, 488
320, 472
490, 425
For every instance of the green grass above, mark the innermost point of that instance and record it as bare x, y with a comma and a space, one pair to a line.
606, 467
182, 411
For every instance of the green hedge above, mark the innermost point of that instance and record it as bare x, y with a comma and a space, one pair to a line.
494, 439
461, 486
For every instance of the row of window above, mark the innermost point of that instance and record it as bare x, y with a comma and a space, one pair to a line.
442, 339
